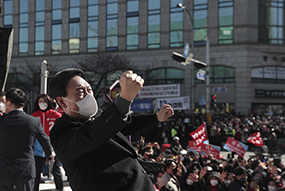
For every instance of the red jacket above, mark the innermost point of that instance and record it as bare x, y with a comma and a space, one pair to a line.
47, 118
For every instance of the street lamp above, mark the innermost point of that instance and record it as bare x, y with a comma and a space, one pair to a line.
179, 5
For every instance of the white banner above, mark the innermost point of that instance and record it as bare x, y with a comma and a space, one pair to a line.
166, 90
177, 103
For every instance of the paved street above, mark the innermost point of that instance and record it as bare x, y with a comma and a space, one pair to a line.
50, 186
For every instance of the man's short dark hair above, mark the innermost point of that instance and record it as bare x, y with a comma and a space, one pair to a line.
57, 86
16, 96
2, 93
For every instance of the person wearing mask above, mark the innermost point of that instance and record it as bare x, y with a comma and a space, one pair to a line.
273, 184
240, 180
169, 178
86, 132
2, 102
17, 135
191, 183
44, 111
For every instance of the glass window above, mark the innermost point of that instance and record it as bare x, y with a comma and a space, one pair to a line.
24, 6
165, 76
74, 13
74, 3
200, 21
8, 7
132, 24
40, 5
40, 16
176, 24
271, 22
226, 20
56, 15
8, 13
40, 33
112, 25
56, 4
92, 34
56, 43
56, 47
153, 24
74, 30
132, 6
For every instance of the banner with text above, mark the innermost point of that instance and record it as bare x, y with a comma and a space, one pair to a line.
199, 135
177, 103
156, 91
233, 145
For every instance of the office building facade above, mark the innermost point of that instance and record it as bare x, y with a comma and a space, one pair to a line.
247, 44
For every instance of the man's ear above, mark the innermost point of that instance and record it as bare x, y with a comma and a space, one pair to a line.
61, 102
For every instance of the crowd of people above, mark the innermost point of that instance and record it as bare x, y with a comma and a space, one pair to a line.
83, 130
185, 170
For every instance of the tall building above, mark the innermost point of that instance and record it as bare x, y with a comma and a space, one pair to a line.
247, 44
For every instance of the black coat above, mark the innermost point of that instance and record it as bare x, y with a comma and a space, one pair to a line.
18, 131
97, 156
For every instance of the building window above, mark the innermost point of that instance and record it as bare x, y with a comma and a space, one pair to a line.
165, 76
153, 40
218, 74
40, 27
112, 25
132, 24
226, 20
269, 74
113, 76
176, 24
23, 27
93, 16
56, 27
271, 22
200, 21
74, 26
8, 13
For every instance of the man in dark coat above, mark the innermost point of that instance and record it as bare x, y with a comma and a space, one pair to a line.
91, 143
18, 131
240, 180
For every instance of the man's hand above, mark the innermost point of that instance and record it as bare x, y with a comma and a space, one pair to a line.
51, 157
130, 84
165, 112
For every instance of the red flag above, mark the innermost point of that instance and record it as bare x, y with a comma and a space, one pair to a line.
193, 147
256, 139
200, 135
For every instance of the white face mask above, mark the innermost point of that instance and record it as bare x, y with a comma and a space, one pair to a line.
158, 179
271, 188
214, 182
228, 181
189, 181
2, 107
43, 106
87, 106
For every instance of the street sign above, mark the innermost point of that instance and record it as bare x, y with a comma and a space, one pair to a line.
186, 50
188, 59
202, 101
201, 75
220, 89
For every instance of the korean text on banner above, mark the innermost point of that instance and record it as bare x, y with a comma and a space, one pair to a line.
199, 135
256, 139
193, 147
233, 145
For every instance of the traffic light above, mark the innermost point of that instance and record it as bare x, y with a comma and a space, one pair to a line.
213, 101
